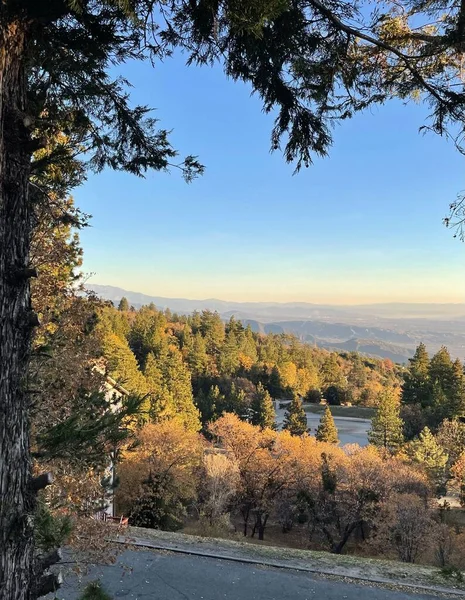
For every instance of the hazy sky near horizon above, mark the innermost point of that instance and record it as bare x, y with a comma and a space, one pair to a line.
362, 225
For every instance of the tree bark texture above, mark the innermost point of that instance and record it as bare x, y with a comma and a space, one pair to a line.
17, 500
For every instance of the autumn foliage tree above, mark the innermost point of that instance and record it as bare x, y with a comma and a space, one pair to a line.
350, 491
218, 485
157, 475
263, 466
458, 477
56, 77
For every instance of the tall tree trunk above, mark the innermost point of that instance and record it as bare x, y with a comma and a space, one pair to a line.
338, 547
16, 499
261, 527
245, 512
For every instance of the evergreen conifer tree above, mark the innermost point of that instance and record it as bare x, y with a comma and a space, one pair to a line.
177, 387
275, 385
439, 407
197, 357
262, 409
213, 404
457, 393
228, 362
154, 381
123, 304
331, 372
295, 419
327, 431
248, 344
157, 507
447, 389
386, 426
441, 369
426, 451
122, 364
416, 387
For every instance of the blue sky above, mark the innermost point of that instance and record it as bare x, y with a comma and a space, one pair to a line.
362, 225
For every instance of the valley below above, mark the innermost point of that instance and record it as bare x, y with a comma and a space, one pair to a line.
390, 331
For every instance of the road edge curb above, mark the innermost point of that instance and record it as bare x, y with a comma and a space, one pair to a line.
284, 565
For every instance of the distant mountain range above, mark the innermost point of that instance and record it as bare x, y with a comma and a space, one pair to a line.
382, 330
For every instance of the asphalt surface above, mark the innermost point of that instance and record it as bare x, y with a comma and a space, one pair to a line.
350, 430
152, 575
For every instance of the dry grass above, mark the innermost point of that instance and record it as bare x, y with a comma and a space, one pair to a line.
387, 571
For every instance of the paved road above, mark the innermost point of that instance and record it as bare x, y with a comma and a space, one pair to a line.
151, 575
350, 430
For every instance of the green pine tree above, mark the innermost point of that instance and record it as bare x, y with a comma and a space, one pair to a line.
439, 407
178, 389
386, 426
154, 379
248, 344
416, 386
457, 392
170, 389
228, 362
448, 389
123, 305
122, 364
147, 334
212, 405
158, 506
441, 369
327, 430
262, 409
331, 373
213, 330
236, 401
295, 418
197, 357
275, 384
426, 451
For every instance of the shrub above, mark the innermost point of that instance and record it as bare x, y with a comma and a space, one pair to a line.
94, 591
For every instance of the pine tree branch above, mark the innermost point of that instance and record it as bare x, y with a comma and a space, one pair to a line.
379, 44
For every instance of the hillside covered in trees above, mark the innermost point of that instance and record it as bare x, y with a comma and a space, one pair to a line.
191, 432
200, 367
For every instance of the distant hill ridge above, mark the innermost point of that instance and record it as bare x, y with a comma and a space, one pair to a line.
387, 330
388, 310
